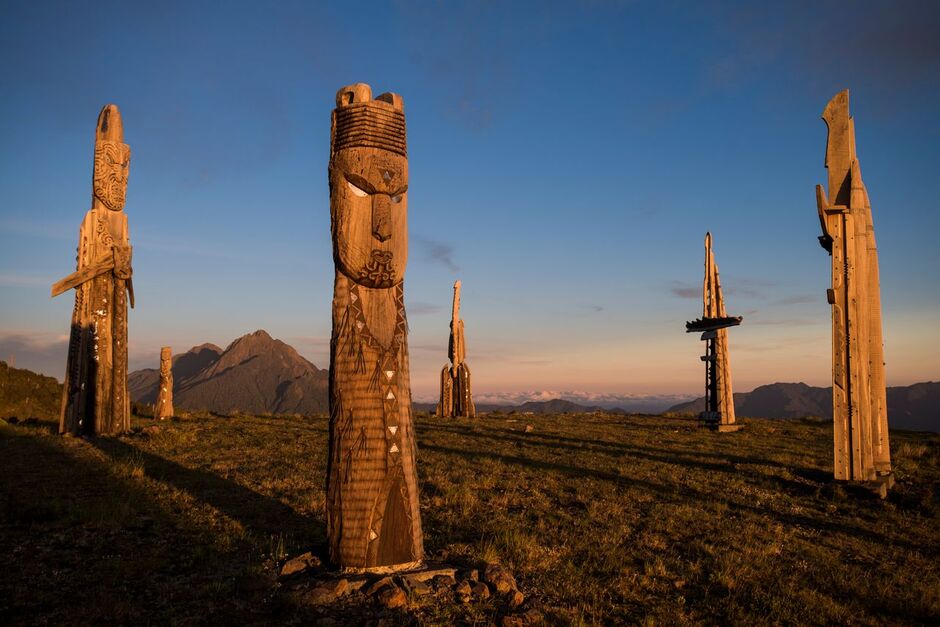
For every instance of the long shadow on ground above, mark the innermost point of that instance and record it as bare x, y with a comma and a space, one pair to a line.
674, 491
82, 543
258, 513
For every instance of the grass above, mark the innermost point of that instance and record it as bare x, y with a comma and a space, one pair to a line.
603, 519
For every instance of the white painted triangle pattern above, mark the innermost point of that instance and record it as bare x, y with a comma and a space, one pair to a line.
353, 297
372, 535
394, 430
389, 374
390, 396
394, 449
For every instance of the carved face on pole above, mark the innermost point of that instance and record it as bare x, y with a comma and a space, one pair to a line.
166, 361
112, 160
369, 188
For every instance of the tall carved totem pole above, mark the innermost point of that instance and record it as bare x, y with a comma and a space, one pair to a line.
163, 409
373, 520
859, 408
456, 396
94, 398
714, 323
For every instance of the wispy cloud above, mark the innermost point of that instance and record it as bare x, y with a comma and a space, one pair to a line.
24, 280
783, 322
436, 251
784, 345
799, 299
525, 361
428, 348
750, 287
421, 308
684, 290
40, 352
39, 228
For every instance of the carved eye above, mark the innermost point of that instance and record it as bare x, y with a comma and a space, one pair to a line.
356, 190
396, 198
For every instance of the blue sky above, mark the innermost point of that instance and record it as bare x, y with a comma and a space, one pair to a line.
566, 160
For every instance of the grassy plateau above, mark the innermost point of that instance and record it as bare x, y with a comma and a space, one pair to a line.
603, 519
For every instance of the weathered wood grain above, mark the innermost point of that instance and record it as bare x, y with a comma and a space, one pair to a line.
860, 431
456, 392
95, 399
373, 519
163, 408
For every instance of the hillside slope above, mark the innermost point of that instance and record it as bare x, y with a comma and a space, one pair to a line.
915, 407
25, 394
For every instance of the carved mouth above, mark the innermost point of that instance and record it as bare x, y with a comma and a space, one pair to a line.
111, 192
378, 272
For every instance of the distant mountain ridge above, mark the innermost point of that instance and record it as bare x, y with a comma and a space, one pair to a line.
255, 374
915, 407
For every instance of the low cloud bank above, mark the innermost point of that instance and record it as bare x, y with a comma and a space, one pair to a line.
651, 403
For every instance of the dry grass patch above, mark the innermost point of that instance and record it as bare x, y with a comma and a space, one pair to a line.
603, 519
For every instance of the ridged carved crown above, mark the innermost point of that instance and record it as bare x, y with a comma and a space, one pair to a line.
361, 122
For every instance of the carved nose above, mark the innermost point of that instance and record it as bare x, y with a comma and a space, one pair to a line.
381, 217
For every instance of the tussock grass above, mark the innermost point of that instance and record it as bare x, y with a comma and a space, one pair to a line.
603, 519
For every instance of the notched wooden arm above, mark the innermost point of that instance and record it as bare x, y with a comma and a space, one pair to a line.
118, 261
99, 267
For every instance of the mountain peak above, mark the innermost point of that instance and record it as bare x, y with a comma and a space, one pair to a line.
260, 347
255, 373
259, 337
206, 346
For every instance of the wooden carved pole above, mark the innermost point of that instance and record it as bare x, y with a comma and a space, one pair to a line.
713, 306
94, 398
859, 408
719, 399
373, 520
164, 407
456, 394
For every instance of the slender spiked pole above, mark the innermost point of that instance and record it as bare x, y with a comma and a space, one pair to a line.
860, 423
719, 399
456, 393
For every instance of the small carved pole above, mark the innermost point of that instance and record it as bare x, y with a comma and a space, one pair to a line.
164, 407
456, 394
859, 408
372, 514
94, 398
719, 400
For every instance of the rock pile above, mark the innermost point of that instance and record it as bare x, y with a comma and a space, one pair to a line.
309, 583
